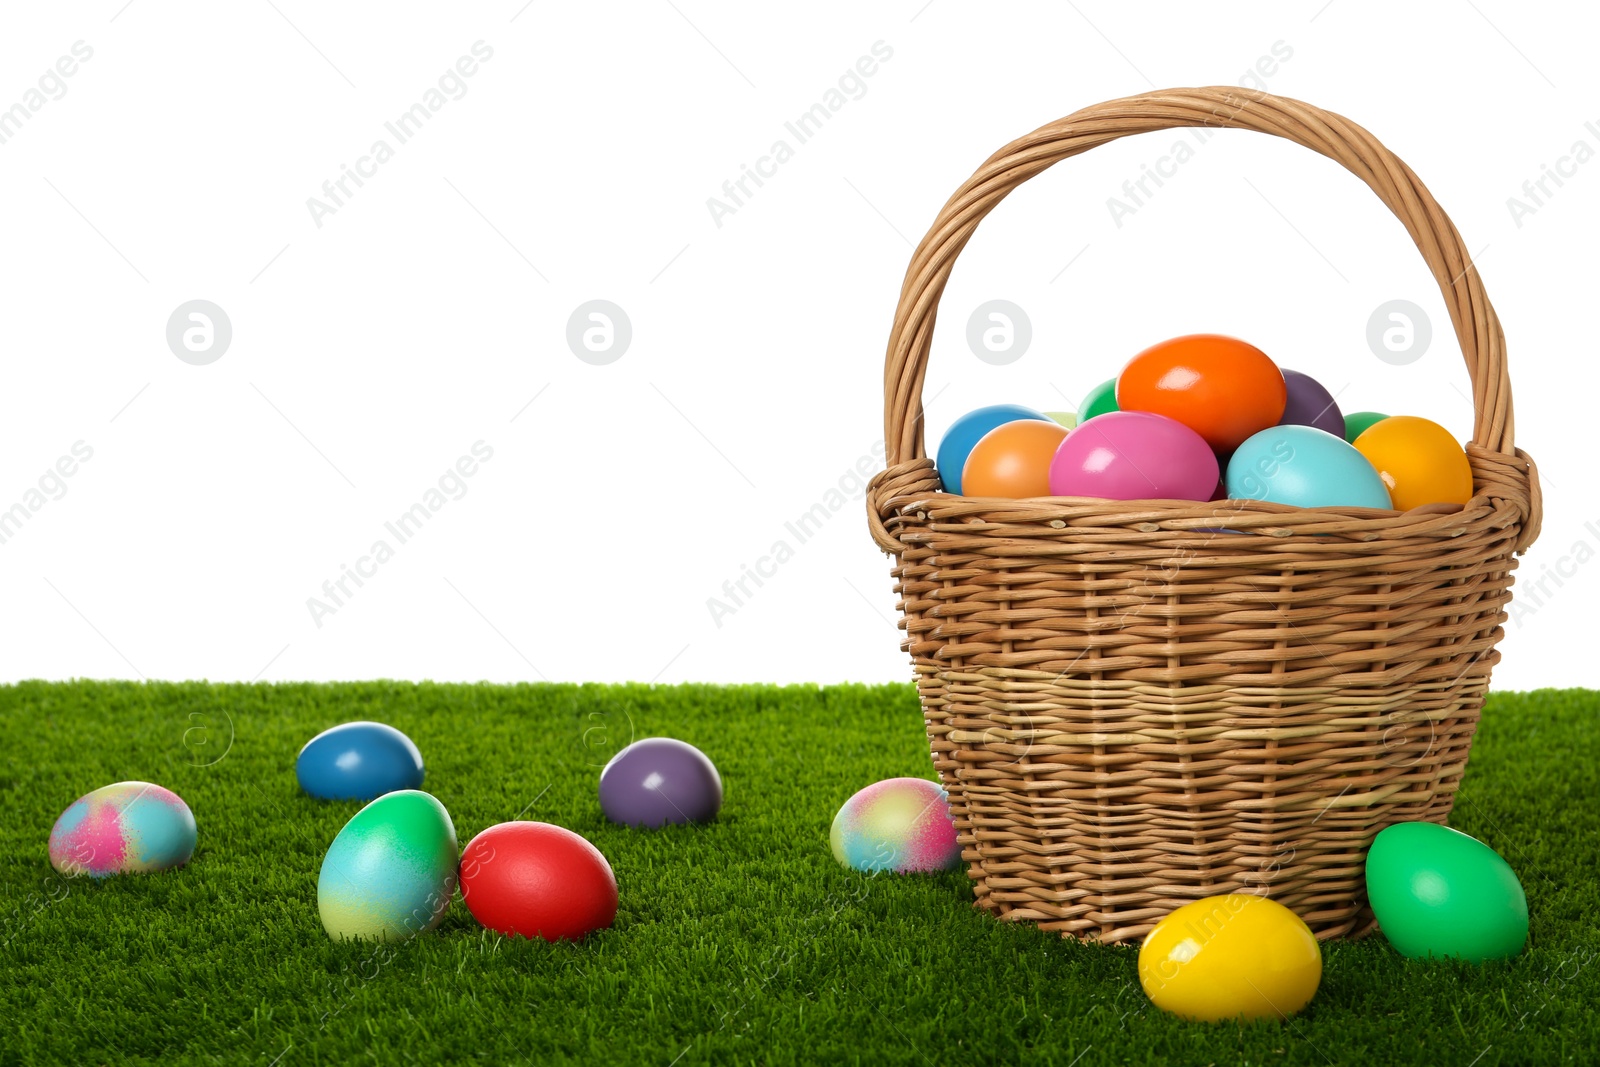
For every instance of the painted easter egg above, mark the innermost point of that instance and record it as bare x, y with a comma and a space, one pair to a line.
1069, 419
1357, 422
899, 824
1305, 467
358, 761
1099, 400
660, 780
1221, 387
1134, 455
1419, 461
390, 872
534, 879
1013, 460
1310, 404
1438, 892
957, 442
1230, 957
126, 828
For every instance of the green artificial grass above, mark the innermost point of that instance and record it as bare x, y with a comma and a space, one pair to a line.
737, 942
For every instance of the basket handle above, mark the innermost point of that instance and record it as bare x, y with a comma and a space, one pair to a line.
1477, 328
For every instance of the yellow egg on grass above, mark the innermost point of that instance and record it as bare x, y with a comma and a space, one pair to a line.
1231, 957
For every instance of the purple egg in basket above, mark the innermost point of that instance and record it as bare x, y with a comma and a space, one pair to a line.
1310, 404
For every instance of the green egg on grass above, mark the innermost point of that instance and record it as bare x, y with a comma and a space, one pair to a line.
1438, 892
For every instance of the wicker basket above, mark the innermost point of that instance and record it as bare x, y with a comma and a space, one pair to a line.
1130, 710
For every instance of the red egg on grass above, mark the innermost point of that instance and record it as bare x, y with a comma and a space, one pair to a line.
537, 880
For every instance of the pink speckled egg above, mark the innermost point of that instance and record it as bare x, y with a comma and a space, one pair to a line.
126, 828
900, 824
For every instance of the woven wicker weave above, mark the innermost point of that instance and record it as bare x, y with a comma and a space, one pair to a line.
1130, 710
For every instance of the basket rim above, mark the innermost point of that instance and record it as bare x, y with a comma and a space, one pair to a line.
1230, 520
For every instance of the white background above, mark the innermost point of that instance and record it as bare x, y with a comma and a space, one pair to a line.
425, 314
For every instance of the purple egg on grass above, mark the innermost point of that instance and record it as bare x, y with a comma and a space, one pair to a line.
1310, 404
660, 780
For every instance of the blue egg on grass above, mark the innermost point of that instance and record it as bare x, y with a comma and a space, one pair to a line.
965, 432
1304, 467
358, 761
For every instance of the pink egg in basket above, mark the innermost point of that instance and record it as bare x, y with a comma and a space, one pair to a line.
1134, 455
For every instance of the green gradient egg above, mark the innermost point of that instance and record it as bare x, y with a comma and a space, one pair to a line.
1438, 892
1069, 419
391, 871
